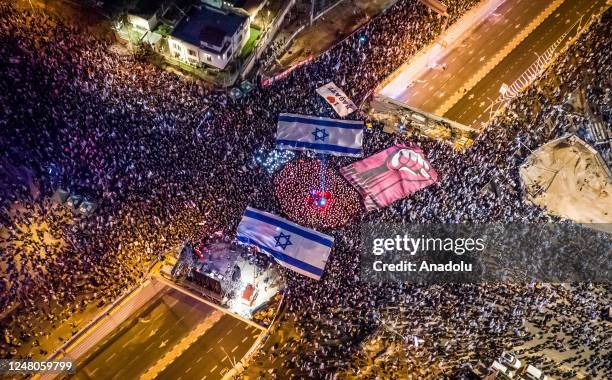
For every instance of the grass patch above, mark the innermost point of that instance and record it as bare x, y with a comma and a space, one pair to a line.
252, 41
163, 29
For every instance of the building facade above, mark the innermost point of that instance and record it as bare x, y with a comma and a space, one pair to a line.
209, 36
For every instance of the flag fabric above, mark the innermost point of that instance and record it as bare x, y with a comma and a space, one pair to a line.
336, 98
389, 175
295, 247
320, 134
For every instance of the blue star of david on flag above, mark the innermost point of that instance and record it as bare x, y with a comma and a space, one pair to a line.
284, 237
304, 250
320, 134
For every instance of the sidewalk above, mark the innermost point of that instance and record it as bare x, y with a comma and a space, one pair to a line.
39, 347
330, 28
106, 323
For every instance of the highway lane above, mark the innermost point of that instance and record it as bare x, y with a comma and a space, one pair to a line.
472, 108
214, 353
144, 338
460, 61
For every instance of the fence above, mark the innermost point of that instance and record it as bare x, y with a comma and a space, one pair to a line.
265, 40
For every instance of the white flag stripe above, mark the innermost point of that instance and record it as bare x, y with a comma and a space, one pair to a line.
289, 225
336, 98
310, 271
307, 251
320, 134
323, 121
298, 248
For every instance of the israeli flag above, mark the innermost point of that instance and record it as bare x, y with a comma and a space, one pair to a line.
320, 134
300, 249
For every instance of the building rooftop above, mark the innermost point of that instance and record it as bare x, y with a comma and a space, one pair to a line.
209, 25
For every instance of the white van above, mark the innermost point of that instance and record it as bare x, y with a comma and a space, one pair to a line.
532, 373
503, 371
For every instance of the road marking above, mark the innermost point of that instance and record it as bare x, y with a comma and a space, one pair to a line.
188, 369
204, 378
235, 348
224, 359
245, 338
228, 332
213, 369
173, 302
210, 349
200, 358
110, 357
149, 346
94, 371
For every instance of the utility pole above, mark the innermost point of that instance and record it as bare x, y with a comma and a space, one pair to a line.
312, 4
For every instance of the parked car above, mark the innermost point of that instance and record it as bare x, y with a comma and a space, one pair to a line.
510, 360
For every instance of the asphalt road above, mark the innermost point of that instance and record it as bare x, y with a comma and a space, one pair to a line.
144, 338
214, 353
460, 61
472, 108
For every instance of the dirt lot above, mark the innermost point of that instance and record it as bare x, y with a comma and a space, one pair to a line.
568, 179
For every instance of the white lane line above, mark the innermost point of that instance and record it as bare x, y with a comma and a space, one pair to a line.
220, 339
200, 359
204, 378
245, 338
235, 348
94, 371
228, 332
210, 349
110, 357
188, 369
213, 369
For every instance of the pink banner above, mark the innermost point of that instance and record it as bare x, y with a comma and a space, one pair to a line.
389, 175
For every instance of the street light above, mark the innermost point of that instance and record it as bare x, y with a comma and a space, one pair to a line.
518, 140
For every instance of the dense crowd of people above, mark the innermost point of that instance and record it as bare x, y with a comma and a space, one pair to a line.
314, 195
168, 161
